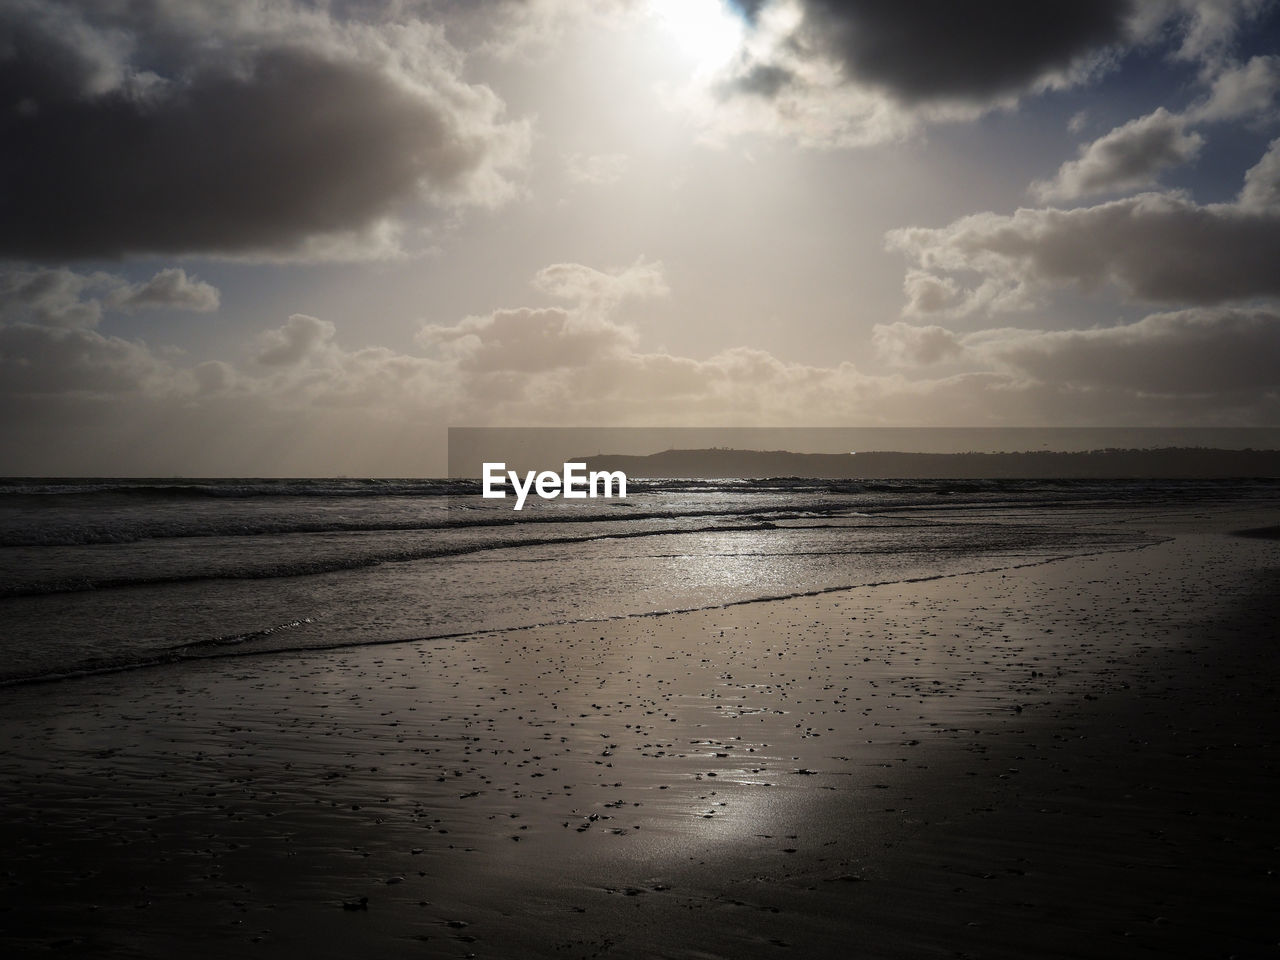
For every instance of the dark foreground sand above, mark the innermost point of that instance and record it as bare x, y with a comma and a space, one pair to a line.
1068, 759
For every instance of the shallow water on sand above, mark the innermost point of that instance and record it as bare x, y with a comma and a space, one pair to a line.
109, 574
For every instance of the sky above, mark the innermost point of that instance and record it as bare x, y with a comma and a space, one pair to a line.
241, 237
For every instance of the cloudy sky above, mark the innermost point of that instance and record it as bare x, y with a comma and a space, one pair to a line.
295, 238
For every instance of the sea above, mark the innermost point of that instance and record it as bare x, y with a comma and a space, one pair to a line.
101, 575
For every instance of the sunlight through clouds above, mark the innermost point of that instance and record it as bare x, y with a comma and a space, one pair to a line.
706, 31
220, 216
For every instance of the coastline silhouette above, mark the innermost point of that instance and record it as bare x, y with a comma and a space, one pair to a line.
1111, 463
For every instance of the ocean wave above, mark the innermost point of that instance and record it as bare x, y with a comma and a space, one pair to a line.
242, 645
299, 568
174, 489
33, 531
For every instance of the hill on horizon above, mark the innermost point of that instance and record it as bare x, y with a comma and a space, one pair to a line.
1159, 463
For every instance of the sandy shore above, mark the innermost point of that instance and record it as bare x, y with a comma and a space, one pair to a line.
1067, 759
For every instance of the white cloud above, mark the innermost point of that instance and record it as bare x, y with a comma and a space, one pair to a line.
1240, 90
49, 346
1208, 28
1158, 247
908, 345
1129, 157
301, 337
1261, 190
525, 340
50, 297
62, 297
214, 377
572, 281
171, 289
1133, 155
579, 364
929, 293
1199, 352
53, 361
305, 403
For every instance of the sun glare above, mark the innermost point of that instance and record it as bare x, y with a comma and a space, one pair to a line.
705, 30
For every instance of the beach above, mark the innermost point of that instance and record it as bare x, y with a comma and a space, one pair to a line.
1062, 756
639, 480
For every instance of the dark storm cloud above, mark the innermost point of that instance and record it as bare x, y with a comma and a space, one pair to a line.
121, 137
230, 162
940, 49
943, 50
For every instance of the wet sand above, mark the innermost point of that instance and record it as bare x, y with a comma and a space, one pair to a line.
1075, 758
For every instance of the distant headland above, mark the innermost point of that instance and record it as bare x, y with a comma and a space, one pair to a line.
1162, 463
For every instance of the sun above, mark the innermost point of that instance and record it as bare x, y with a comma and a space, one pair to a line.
707, 31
